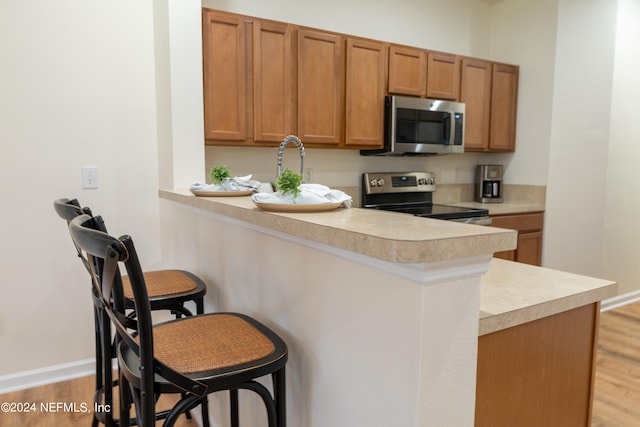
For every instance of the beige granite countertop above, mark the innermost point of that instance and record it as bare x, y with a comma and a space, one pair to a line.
390, 236
513, 293
518, 199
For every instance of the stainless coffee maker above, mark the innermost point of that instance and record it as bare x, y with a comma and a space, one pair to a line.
488, 184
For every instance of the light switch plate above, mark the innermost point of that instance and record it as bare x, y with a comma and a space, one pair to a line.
90, 177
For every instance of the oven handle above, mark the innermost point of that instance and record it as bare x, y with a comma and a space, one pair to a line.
483, 220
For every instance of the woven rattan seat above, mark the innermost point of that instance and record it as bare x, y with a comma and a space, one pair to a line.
162, 283
209, 342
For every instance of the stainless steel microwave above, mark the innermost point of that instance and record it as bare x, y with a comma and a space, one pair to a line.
419, 126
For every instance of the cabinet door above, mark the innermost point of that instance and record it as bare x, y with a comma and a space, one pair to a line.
508, 255
273, 82
407, 71
443, 76
539, 373
475, 92
225, 77
504, 102
365, 84
530, 228
320, 87
530, 248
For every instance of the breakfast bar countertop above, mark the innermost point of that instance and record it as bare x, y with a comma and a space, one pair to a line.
388, 236
511, 293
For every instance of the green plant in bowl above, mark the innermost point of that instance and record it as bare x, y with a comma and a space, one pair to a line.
219, 173
288, 182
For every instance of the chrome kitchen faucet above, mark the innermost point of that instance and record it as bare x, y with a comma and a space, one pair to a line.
283, 145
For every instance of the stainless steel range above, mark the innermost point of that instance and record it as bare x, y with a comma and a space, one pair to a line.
412, 193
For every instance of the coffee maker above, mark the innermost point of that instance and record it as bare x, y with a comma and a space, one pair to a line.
488, 184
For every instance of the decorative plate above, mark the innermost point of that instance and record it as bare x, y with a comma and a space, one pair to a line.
302, 207
202, 193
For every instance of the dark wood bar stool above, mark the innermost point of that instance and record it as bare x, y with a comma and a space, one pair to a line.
168, 290
193, 356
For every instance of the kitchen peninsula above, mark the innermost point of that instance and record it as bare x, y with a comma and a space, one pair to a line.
380, 310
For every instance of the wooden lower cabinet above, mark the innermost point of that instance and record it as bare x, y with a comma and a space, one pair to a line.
540, 373
529, 227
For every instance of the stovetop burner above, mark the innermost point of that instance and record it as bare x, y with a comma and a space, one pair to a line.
412, 193
438, 211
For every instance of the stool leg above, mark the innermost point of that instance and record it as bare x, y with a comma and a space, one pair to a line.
233, 399
279, 395
107, 368
98, 338
125, 401
204, 405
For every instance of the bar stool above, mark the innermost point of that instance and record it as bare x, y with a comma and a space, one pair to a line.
169, 290
193, 356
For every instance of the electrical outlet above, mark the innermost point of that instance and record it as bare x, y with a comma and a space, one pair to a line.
90, 177
308, 175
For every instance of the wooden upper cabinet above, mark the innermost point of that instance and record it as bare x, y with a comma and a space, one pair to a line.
365, 89
274, 102
264, 80
475, 92
407, 71
320, 87
225, 76
490, 93
504, 104
443, 76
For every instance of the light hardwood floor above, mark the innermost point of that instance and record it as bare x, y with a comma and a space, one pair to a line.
616, 395
76, 392
617, 386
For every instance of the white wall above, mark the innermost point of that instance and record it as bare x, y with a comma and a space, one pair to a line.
76, 88
517, 38
622, 202
580, 136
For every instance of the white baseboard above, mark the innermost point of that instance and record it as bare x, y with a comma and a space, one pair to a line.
48, 375
619, 301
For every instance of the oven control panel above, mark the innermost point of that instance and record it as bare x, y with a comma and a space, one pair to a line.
398, 182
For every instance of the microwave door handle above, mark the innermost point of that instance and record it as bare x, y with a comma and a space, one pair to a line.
447, 128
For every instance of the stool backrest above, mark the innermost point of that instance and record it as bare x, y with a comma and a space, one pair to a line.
68, 209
